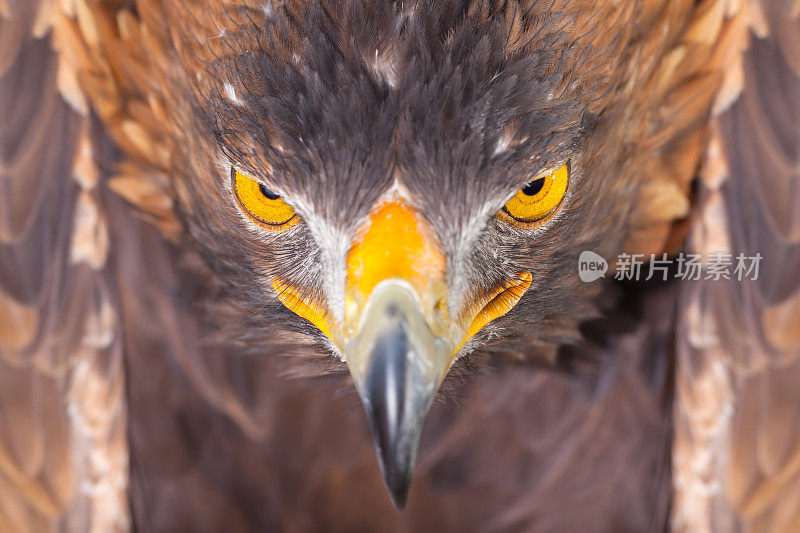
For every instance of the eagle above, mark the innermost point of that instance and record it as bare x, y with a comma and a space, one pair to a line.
246, 246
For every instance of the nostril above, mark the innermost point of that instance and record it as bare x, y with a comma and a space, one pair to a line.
440, 308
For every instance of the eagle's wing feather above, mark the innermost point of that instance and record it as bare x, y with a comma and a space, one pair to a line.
77, 302
737, 444
63, 453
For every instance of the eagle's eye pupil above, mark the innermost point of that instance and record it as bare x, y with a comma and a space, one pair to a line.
266, 192
533, 187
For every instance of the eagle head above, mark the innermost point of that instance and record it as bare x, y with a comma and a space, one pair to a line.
407, 186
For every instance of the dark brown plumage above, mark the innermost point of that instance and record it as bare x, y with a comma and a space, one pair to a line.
149, 375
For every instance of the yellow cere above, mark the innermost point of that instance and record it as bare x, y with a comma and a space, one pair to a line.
540, 198
395, 244
269, 212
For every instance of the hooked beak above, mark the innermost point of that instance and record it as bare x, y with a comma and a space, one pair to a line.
397, 364
397, 338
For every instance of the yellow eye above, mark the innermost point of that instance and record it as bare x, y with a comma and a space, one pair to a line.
260, 204
540, 198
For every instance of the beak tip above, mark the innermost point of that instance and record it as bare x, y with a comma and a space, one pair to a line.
397, 475
397, 464
399, 493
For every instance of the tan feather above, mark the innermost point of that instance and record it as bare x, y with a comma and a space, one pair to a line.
19, 323
782, 324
